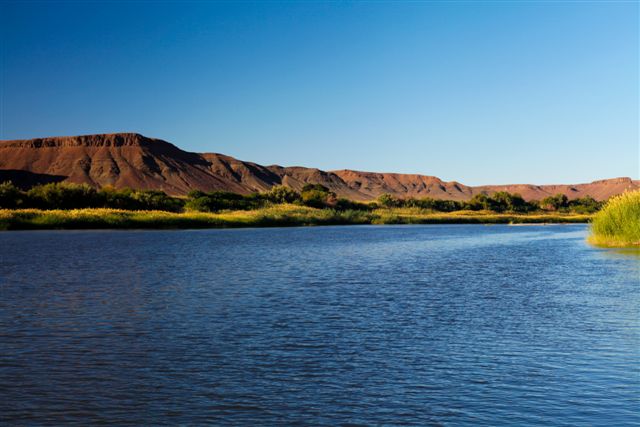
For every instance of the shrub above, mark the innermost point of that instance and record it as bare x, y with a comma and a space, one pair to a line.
479, 202
194, 194
315, 198
282, 194
389, 201
63, 196
447, 205
156, 200
585, 205
503, 201
10, 196
554, 203
316, 187
199, 204
223, 200
343, 204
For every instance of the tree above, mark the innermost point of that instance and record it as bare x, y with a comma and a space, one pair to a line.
222, 200
194, 194
282, 194
63, 196
317, 187
502, 201
315, 198
519, 204
447, 205
585, 205
479, 202
156, 200
388, 201
554, 203
10, 196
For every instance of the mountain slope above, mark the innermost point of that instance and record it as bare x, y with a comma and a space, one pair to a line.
135, 161
132, 160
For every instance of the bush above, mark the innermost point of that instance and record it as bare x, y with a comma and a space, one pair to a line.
389, 201
343, 204
282, 194
318, 196
63, 196
447, 205
479, 202
503, 201
554, 203
156, 200
316, 187
118, 199
199, 204
194, 194
585, 205
223, 200
10, 196
315, 198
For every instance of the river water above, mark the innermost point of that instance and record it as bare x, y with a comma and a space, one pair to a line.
363, 325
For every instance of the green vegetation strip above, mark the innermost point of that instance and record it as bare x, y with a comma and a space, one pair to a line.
618, 223
275, 216
73, 196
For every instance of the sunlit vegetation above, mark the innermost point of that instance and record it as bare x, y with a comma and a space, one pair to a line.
280, 215
62, 205
276, 216
618, 223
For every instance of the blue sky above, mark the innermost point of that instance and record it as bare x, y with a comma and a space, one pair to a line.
482, 93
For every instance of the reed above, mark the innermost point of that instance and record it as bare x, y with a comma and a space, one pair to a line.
618, 223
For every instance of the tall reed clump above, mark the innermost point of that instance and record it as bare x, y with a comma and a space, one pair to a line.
618, 223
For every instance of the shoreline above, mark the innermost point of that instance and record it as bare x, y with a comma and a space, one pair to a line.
612, 242
280, 216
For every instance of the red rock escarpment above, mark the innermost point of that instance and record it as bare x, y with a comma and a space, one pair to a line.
135, 161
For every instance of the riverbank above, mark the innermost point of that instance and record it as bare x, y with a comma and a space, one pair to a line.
276, 216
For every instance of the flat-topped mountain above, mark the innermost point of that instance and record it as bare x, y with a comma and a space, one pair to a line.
135, 161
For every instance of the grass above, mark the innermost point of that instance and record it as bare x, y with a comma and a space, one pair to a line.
618, 223
276, 216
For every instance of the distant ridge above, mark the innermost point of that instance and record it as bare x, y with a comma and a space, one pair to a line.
135, 161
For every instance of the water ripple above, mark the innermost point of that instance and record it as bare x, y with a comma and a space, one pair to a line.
372, 325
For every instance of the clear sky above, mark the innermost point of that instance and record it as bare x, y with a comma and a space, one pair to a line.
483, 93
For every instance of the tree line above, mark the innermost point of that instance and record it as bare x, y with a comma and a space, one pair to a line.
500, 201
77, 196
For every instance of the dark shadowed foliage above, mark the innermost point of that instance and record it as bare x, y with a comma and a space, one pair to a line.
585, 205
10, 196
318, 196
223, 200
554, 203
78, 196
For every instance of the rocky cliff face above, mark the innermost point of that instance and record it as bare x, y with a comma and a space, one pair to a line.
135, 161
132, 160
